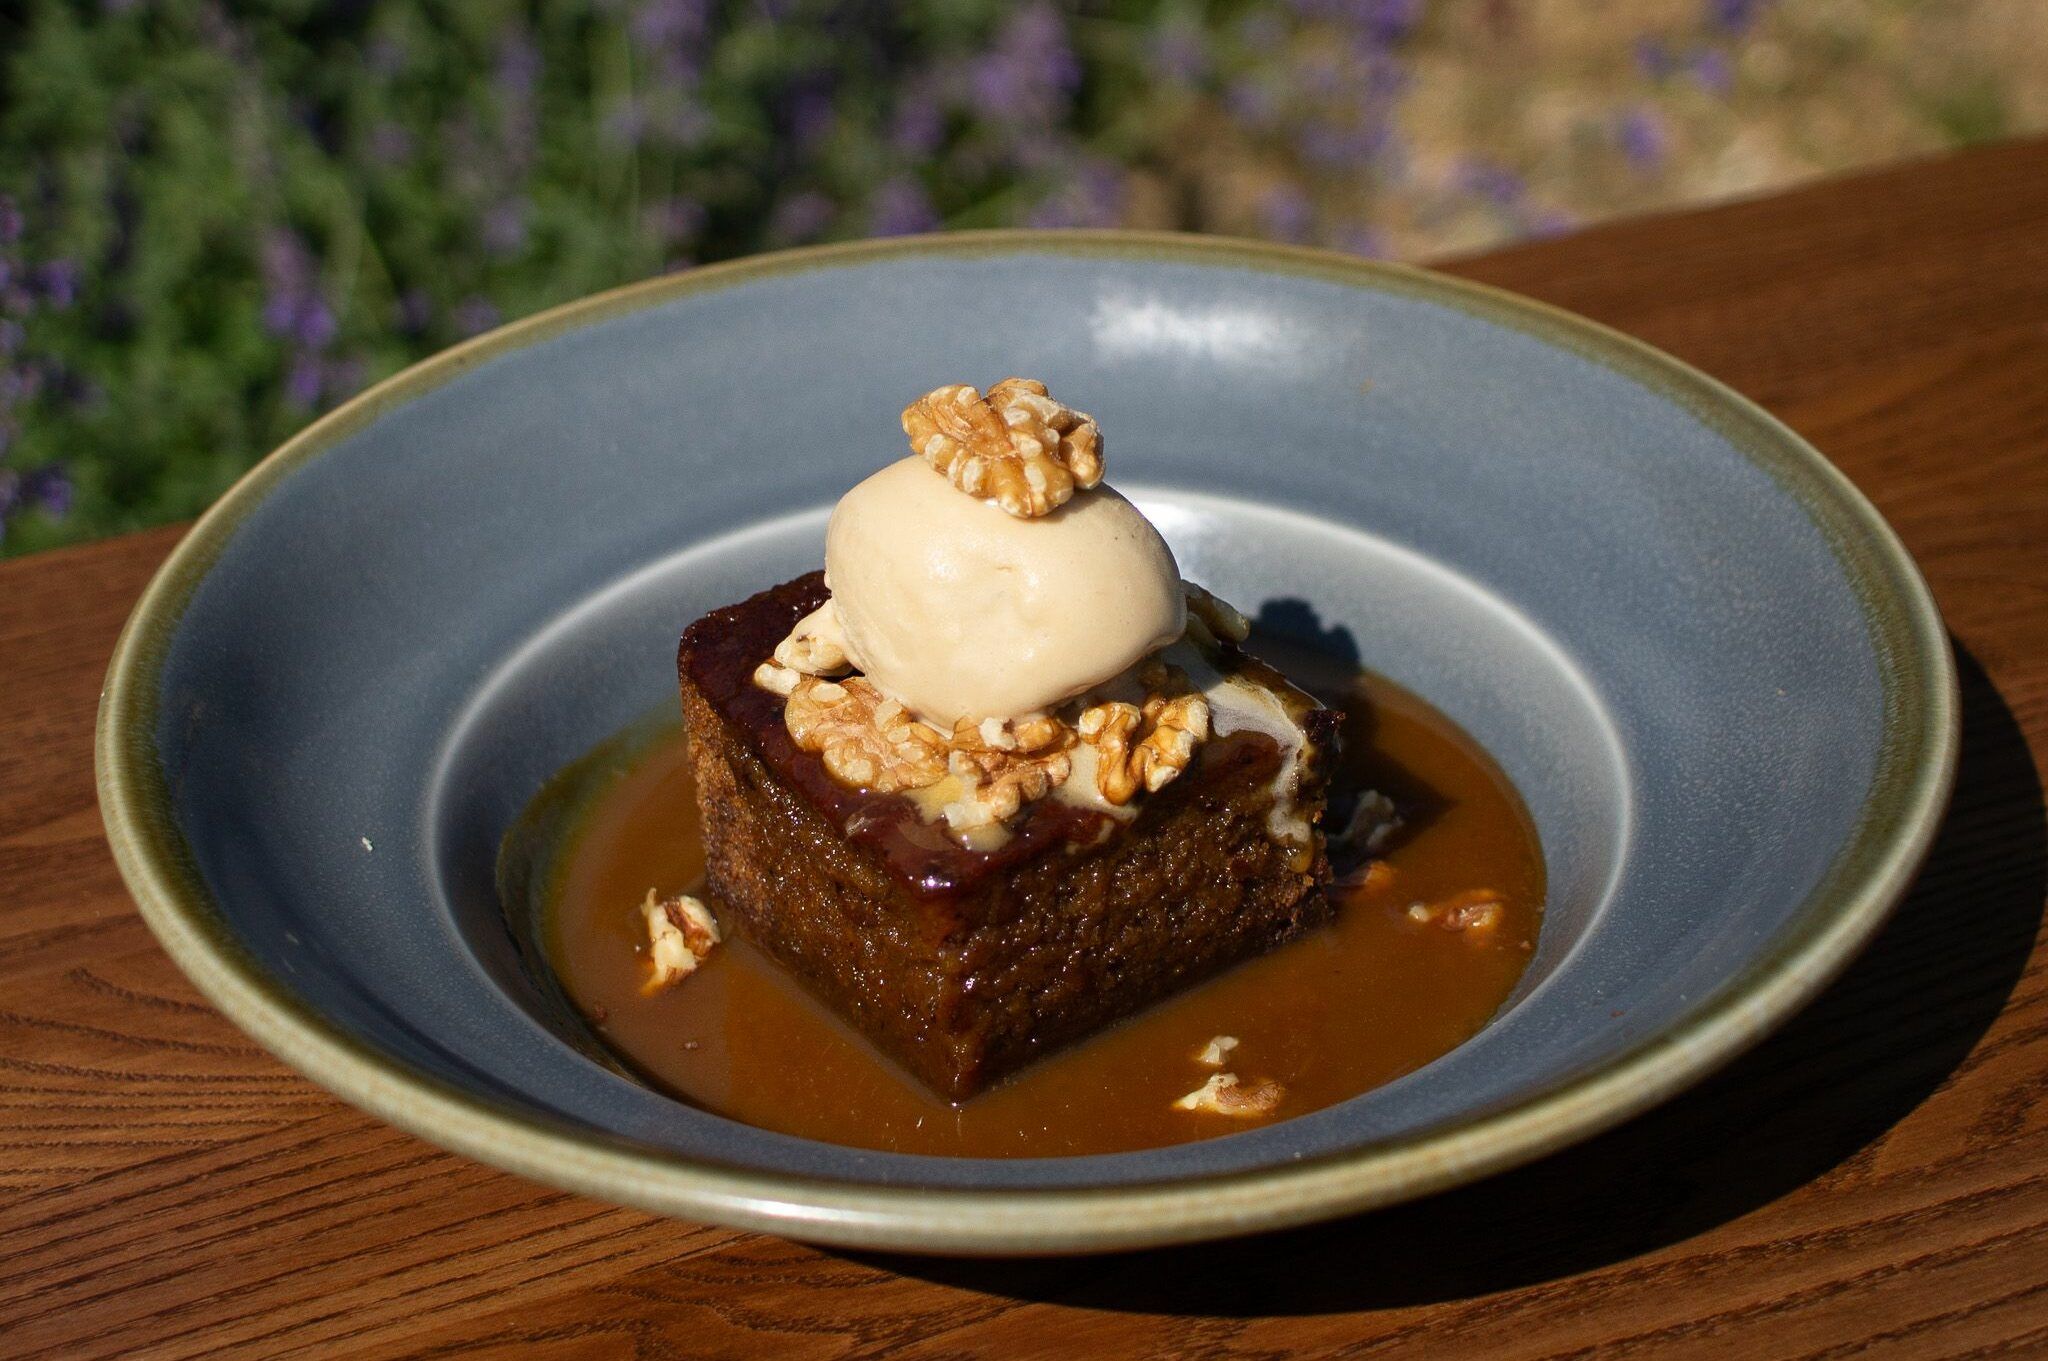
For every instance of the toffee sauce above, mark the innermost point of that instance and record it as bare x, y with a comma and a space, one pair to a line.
1344, 1009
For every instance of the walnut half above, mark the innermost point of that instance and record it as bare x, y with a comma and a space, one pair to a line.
1016, 447
1143, 748
864, 739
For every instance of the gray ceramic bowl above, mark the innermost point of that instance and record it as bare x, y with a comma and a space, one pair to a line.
1707, 664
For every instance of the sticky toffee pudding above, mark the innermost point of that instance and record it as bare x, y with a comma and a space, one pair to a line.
1005, 842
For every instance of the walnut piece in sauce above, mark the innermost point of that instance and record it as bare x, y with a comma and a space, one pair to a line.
681, 933
1224, 1094
1016, 447
1475, 914
1374, 820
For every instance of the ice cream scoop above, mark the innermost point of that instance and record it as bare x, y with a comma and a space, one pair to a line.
959, 610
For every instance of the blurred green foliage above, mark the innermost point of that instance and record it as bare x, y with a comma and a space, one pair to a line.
217, 220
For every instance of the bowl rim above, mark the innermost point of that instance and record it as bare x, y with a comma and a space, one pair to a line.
1868, 875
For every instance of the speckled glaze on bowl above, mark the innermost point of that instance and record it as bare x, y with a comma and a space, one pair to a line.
1715, 676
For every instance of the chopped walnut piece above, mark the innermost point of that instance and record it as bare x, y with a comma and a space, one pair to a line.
1373, 819
864, 740
814, 647
1475, 914
681, 932
1016, 447
999, 783
1172, 726
1223, 1094
1217, 1052
1035, 733
1372, 876
1223, 619
776, 680
870, 741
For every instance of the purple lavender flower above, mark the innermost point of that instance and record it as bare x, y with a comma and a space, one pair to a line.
678, 218
1490, 180
19, 386
1734, 16
384, 56
59, 282
415, 310
1091, 195
390, 143
919, 125
1030, 73
901, 208
810, 115
1547, 222
1383, 22
670, 25
286, 263
1653, 58
1712, 70
10, 486
1339, 145
1321, 75
302, 381
10, 220
1362, 238
626, 123
474, 315
49, 489
800, 217
1178, 55
279, 309
1641, 136
1255, 103
504, 227
684, 122
1287, 213
292, 304
314, 326
517, 76
1262, 30
11, 336
343, 377
519, 67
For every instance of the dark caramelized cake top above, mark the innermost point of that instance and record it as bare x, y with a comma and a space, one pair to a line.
718, 655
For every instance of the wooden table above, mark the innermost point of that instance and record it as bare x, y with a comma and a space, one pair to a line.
1874, 1178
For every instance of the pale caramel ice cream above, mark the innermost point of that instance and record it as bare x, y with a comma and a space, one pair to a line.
960, 610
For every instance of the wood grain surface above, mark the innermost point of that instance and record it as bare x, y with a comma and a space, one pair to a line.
1872, 1180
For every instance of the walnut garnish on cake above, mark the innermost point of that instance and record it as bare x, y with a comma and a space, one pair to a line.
1016, 446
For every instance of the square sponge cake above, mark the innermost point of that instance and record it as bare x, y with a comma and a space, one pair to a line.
965, 960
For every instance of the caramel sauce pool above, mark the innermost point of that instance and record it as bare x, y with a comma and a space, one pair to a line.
1372, 996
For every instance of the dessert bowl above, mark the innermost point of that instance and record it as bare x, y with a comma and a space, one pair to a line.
1714, 676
